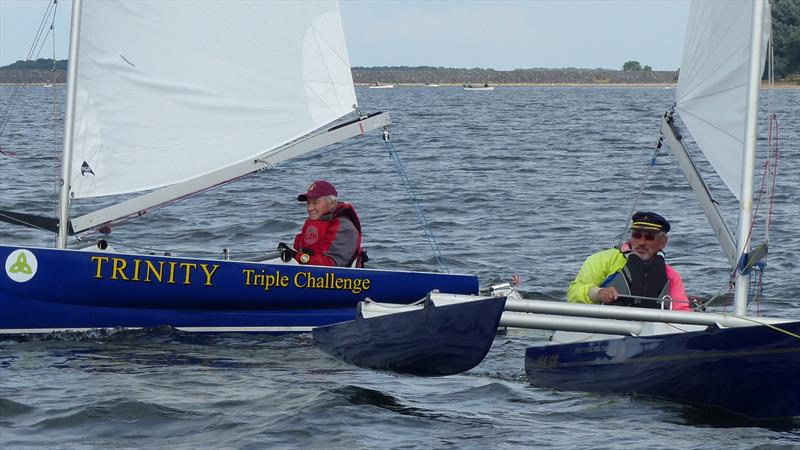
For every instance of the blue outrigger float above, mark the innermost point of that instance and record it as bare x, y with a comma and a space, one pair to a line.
435, 337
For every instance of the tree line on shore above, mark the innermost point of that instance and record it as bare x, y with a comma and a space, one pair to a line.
46, 71
31, 72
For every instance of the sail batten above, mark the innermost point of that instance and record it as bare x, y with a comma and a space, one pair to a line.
167, 91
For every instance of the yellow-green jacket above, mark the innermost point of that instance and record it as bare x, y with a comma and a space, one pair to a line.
594, 271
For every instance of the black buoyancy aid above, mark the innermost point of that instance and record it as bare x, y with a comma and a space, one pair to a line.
642, 279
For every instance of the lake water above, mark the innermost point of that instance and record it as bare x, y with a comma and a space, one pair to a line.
526, 180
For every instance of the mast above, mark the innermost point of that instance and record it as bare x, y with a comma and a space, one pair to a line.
749, 157
66, 155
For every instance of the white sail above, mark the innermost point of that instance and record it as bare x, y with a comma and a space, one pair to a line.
170, 90
712, 87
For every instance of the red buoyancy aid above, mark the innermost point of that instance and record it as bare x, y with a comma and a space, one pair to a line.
318, 236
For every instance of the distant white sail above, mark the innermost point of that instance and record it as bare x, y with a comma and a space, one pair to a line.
712, 86
170, 90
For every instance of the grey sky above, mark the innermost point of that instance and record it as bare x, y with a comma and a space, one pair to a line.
502, 35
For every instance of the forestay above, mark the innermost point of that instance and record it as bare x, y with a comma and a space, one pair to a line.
223, 84
712, 87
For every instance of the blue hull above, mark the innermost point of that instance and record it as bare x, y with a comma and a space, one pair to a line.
752, 371
432, 341
48, 289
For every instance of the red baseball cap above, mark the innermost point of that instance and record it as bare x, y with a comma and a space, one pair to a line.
319, 188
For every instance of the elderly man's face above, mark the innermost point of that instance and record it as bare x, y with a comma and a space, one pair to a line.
318, 207
647, 243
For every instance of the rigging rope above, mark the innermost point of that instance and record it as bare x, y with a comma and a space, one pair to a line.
641, 189
767, 188
414, 201
38, 42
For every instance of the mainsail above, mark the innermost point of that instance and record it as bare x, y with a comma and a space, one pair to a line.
170, 90
712, 87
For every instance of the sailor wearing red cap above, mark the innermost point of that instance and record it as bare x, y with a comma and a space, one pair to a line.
635, 271
331, 236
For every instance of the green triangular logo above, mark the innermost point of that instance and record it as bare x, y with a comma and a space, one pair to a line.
21, 265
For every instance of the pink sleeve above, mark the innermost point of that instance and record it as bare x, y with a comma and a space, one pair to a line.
677, 291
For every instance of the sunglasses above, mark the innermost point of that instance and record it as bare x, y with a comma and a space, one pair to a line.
645, 236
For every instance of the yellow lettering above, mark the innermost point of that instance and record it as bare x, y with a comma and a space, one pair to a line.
136, 264
269, 280
327, 281
189, 267
297, 277
118, 267
246, 272
157, 273
172, 265
211, 274
100, 260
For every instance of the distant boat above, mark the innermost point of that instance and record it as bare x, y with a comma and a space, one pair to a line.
431, 85
485, 87
381, 86
47, 85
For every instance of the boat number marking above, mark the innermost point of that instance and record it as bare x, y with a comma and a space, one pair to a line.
21, 265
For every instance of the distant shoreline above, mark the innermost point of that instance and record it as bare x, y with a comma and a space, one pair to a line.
426, 75
778, 84
42, 71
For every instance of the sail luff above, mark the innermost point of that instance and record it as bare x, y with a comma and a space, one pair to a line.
66, 158
756, 68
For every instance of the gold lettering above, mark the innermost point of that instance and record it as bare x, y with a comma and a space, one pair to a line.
211, 274
118, 267
297, 277
188, 266
269, 281
172, 265
100, 260
246, 272
136, 264
327, 281
157, 274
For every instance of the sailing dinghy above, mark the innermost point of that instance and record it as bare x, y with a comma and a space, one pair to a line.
205, 109
750, 367
744, 364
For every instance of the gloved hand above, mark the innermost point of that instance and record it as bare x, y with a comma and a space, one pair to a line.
287, 253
